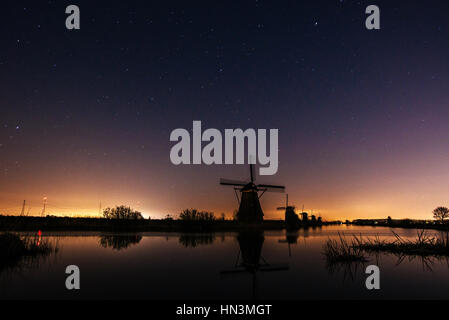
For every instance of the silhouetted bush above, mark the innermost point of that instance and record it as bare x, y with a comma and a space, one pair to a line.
122, 212
195, 215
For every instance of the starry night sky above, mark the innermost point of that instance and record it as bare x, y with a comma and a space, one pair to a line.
86, 115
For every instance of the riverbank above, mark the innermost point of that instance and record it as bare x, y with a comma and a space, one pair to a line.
52, 223
402, 223
15, 223
344, 251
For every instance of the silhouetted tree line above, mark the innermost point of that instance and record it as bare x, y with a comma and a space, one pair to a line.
122, 212
441, 214
196, 215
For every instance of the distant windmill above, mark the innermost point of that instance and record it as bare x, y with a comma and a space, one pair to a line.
304, 214
290, 215
249, 205
312, 217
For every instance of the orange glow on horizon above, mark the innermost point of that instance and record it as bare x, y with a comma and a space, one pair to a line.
401, 189
359, 211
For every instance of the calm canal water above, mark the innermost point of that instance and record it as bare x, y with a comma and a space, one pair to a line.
268, 265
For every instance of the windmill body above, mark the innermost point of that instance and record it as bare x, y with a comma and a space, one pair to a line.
291, 217
250, 209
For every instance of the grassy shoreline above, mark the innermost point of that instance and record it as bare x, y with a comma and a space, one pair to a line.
17, 251
403, 224
347, 251
423, 245
52, 223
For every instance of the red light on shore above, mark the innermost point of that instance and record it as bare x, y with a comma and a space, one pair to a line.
39, 233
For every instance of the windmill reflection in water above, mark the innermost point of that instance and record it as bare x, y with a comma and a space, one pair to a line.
250, 260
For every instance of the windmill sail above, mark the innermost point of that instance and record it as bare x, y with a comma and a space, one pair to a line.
229, 182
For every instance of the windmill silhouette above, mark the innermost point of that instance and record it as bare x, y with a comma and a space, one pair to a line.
250, 259
249, 205
290, 216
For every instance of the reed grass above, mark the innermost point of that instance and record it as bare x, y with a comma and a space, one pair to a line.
423, 245
15, 249
342, 251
